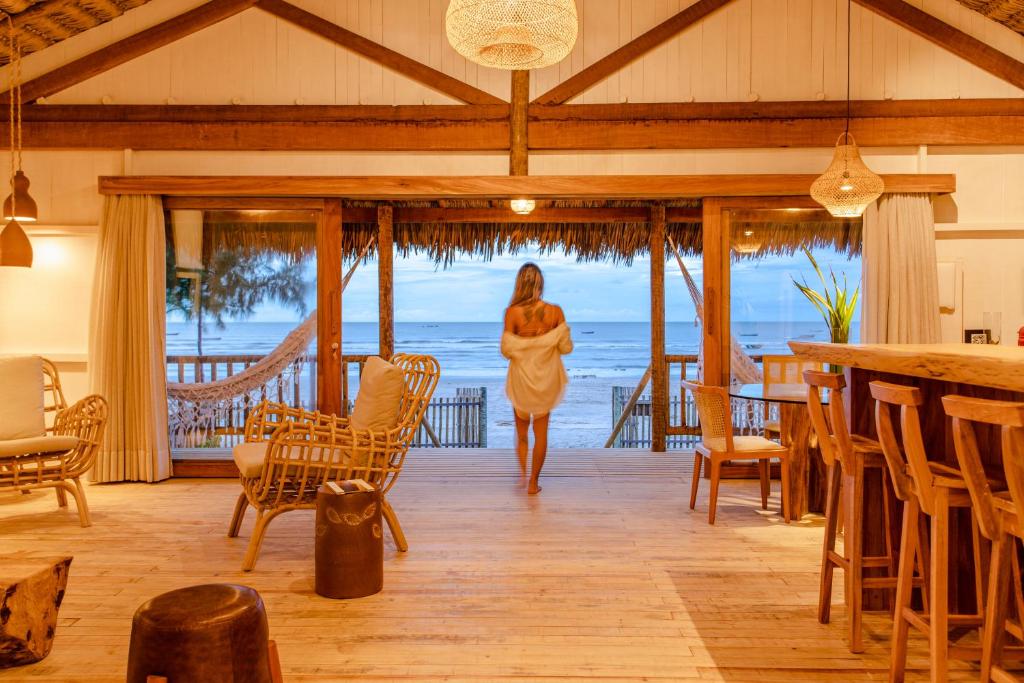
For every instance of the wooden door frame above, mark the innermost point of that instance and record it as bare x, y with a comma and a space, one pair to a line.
717, 262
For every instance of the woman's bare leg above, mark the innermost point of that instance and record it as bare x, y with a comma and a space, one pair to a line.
540, 450
522, 444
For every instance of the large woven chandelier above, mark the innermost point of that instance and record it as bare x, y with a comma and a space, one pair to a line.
847, 186
512, 34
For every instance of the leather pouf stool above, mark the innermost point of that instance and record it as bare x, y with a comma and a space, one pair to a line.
211, 633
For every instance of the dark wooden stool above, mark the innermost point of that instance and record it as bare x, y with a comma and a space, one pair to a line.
349, 543
214, 632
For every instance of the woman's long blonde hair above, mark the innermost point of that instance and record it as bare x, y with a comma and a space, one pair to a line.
529, 285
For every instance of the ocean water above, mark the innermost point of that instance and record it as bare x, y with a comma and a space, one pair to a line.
606, 354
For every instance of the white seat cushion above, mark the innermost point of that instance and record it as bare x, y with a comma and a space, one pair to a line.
37, 444
381, 388
744, 443
249, 457
21, 397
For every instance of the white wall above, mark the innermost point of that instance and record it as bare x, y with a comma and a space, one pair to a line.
774, 49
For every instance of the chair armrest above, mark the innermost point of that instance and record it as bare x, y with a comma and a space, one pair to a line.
86, 419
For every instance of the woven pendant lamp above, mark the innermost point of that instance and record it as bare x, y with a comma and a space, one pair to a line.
847, 186
15, 248
512, 34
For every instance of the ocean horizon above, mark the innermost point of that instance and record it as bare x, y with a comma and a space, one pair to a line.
606, 354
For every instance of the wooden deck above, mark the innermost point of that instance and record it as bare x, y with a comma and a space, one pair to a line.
604, 576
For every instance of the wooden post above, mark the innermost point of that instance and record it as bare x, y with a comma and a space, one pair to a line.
519, 155
659, 368
328, 308
716, 295
386, 280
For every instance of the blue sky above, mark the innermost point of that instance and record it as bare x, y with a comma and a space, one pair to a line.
473, 290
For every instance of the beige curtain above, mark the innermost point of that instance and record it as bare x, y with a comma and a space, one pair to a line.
126, 340
900, 272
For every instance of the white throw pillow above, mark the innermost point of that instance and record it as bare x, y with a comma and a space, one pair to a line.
21, 397
381, 387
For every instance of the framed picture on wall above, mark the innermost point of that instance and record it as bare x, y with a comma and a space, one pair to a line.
977, 336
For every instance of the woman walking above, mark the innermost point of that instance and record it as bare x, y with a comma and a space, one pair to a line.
535, 339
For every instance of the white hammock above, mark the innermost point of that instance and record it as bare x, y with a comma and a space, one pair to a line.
196, 410
744, 370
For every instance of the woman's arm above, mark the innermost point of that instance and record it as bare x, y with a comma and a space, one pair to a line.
565, 343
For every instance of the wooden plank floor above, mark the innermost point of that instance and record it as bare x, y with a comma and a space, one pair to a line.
604, 576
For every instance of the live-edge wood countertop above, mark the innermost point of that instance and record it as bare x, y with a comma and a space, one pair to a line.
999, 367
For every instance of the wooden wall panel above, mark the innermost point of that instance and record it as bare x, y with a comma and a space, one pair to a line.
771, 49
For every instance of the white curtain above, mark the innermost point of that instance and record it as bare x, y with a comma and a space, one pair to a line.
126, 341
900, 272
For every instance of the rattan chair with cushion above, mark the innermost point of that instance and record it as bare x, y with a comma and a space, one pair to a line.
718, 445
289, 452
34, 455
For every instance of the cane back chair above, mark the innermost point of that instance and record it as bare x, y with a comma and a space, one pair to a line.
60, 456
305, 449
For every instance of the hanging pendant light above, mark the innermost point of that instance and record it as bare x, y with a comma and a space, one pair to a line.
847, 186
522, 206
512, 34
15, 248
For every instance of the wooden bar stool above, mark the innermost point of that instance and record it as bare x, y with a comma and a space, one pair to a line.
718, 445
998, 515
847, 458
933, 489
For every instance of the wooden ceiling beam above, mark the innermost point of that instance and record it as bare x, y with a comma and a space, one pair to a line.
397, 62
631, 51
127, 49
501, 187
486, 127
949, 38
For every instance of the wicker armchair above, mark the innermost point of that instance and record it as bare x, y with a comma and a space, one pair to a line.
305, 449
60, 456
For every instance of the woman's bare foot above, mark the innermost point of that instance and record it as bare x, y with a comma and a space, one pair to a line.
533, 490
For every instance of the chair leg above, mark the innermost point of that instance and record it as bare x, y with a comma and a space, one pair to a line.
787, 512
924, 558
275, 662
904, 590
241, 505
62, 497
832, 481
396, 529
766, 487
995, 612
938, 635
256, 540
853, 543
83, 506
716, 475
698, 459
890, 552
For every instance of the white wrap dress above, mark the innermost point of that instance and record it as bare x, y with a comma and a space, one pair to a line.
536, 376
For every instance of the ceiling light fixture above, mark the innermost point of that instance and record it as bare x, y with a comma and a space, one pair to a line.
847, 186
522, 206
15, 248
512, 34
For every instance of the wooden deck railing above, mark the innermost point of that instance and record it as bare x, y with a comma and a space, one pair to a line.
683, 423
458, 421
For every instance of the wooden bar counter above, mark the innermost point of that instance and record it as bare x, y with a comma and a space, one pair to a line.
937, 370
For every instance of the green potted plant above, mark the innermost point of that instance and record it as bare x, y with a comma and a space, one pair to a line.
835, 302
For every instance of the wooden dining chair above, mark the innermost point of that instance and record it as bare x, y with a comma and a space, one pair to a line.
998, 515
718, 445
933, 489
781, 369
848, 457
